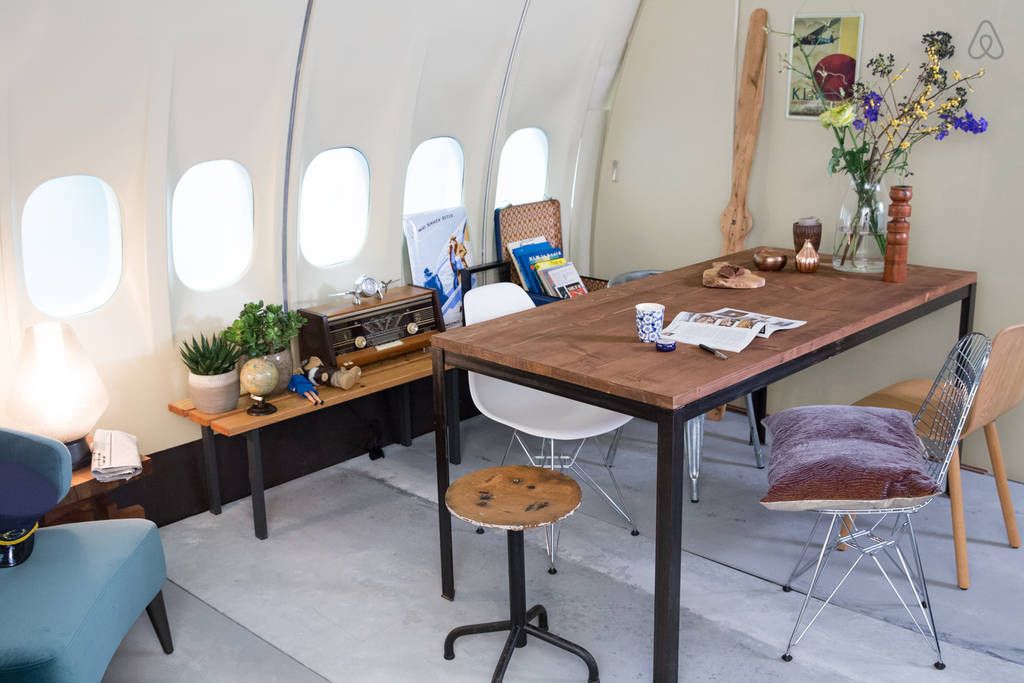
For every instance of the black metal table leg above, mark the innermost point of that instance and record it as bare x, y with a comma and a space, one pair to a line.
669, 525
210, 471
259, 506
454, 425
441, 443
967, 310
400, 405
760, 397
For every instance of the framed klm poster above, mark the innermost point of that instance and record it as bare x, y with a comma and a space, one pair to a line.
832, 43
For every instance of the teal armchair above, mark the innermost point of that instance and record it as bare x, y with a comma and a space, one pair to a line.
70, 598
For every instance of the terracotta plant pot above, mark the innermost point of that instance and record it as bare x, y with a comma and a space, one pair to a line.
214, 393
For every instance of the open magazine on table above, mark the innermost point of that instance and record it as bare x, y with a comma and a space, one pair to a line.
728, 329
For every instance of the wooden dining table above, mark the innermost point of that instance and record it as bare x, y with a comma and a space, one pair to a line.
587, 349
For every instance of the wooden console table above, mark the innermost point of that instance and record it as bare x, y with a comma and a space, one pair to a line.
586, 349
393, 374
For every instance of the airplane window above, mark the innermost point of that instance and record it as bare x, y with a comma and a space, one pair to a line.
334, 207
434, 177
212, 225
523, 168
71, 245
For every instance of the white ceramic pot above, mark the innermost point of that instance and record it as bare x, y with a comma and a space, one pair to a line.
214, 393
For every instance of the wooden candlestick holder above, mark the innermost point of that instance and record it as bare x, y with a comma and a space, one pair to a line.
898, 234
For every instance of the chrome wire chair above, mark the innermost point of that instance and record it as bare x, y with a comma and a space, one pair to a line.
572, 462
939, 423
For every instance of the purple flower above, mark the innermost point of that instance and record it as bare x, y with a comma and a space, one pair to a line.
967, 123
871, 103
858, 124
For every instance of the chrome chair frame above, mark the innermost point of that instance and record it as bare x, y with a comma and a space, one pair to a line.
572, 462
693, 442
939, 423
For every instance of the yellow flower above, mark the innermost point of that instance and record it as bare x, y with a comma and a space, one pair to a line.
838, 117
956, 75
904, 145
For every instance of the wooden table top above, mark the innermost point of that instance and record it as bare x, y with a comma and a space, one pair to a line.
377, 377
591, 341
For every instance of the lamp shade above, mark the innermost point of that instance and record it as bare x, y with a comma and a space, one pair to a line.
56, 390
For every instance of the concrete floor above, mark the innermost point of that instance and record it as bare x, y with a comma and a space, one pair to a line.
346, 588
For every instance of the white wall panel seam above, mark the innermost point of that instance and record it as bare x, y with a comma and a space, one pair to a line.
488, 209
288, 151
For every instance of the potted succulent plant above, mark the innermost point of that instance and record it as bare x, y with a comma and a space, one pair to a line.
267, 331
212, 372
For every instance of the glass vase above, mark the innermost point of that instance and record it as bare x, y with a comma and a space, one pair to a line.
859, 245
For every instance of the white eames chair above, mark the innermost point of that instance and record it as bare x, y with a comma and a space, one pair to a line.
545, 416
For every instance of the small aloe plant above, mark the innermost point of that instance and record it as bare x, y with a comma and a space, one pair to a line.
213, 356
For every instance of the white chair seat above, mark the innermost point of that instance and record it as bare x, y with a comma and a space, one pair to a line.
540, 414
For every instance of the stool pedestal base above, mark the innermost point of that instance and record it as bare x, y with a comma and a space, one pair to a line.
518, 625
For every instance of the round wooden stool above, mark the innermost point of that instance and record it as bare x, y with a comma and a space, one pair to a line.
514, 498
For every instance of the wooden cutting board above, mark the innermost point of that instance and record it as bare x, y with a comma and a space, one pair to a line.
736, 221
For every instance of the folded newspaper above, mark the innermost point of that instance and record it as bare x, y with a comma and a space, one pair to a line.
727, 329
115, 455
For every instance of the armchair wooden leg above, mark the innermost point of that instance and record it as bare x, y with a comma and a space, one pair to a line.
995, 454
158, 617
956, 506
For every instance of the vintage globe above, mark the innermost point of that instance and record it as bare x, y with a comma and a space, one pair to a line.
258, 376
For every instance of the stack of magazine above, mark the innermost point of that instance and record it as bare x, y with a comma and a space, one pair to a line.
543, 269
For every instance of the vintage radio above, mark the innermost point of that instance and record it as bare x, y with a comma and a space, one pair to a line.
373, 329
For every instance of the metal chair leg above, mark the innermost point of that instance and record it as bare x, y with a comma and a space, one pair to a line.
506, 655
469, 630
693, 441
939, 664
508, 449
754, 440
787, 657
541, 614
562, 643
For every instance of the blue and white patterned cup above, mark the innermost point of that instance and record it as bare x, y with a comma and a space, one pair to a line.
650, 318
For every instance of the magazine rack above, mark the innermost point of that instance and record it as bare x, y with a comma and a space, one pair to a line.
522, 221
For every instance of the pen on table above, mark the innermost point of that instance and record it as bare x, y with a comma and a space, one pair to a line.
714, 352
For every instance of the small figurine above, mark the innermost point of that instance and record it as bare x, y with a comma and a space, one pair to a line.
347, 377
315, 370
367, 286
300, 384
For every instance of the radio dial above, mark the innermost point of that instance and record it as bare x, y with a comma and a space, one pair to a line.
360, 342
412, 328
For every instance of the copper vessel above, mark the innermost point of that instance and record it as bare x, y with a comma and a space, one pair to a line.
807, 258
770, 259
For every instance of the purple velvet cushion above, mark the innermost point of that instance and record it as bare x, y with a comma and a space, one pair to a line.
845, 457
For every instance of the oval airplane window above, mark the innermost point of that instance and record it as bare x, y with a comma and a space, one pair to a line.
212, 225
71, 245
523, 168
334, 207
434, 177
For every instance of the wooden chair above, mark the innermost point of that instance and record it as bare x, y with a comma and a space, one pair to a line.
1001, 389
518, 222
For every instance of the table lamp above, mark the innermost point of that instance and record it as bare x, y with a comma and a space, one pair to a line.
56, 390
